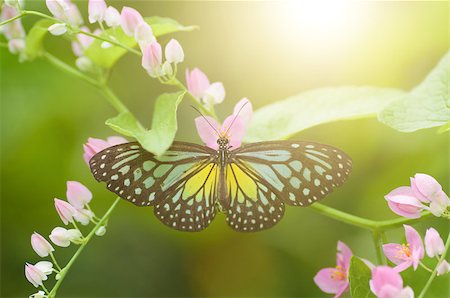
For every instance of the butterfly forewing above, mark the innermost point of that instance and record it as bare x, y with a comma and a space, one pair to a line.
144, 179
300, 173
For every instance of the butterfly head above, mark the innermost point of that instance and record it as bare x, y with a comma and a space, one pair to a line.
223, 141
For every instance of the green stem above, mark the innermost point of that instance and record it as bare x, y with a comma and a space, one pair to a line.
433, 275
40, 14
378, 246
112, 98
110, 41
12, 19
364, 223
80, 249
54, 261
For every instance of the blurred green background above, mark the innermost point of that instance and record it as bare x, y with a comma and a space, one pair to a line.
265, 51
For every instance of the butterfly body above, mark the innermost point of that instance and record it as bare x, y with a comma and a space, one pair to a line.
251, 184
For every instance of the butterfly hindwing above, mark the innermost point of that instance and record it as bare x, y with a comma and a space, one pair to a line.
250, 205
140, 177
300, 173
191, 206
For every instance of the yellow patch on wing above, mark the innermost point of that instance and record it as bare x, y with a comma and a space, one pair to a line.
205, 178
240, 184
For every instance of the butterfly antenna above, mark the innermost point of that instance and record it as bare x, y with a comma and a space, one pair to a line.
206, 119
237, 114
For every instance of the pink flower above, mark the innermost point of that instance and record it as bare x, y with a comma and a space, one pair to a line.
198, 85
83, 41
387, 283
404, 202
428, 190
152, 59
434, 245
14, 29
233, 128
73, 15
174, 52
40, 245
65, 11
78, 195
143, 34
63, 237
130, 18
96, 10
405, 255
335, 280
65, 211
34, 275
112, 17
443, 268
16, 46
96, 145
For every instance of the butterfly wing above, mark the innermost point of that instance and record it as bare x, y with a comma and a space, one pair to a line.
299, 173
250, 205
170, 182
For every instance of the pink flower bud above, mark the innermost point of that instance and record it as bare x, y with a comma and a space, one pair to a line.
39, 294
96, 10
443, 268
45, 266
386, 282
40, 245
63, 237
197, 82
112, 17
57, 29
403, 202
93, 146
16, 46
130, 18
78, 195
425, 186
434, 245
214, 94
73, 15
65, 211
34, 275
152, 59
143, 34
174, 52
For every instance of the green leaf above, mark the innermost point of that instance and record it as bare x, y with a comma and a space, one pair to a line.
282, 119
161, 26
106, 58
125, 123
164, 124
359, 276
34, 42
427, 105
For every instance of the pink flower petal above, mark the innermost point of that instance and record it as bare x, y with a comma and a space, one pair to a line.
235, 128
392, 251
414, 240
130, 18
417, 192
325, 280
197, 82
115, 140
433, 243
426, 184
402, 201
244, 109
207, 133
344, 255
385, 275
389, 291
403, 266
78, 195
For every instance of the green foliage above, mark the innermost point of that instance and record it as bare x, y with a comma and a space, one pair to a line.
359, 277
164, 124
35, 39
427, 105
108, 57
282, 119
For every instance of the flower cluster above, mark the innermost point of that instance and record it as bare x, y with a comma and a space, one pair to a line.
14, 31
425, 193
386, 281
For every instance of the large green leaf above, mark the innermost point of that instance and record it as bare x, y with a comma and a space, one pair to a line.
34, 42
359, 276
427, 105
164, 124
282, 119
107, 57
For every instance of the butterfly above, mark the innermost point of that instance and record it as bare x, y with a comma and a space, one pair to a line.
190, 183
